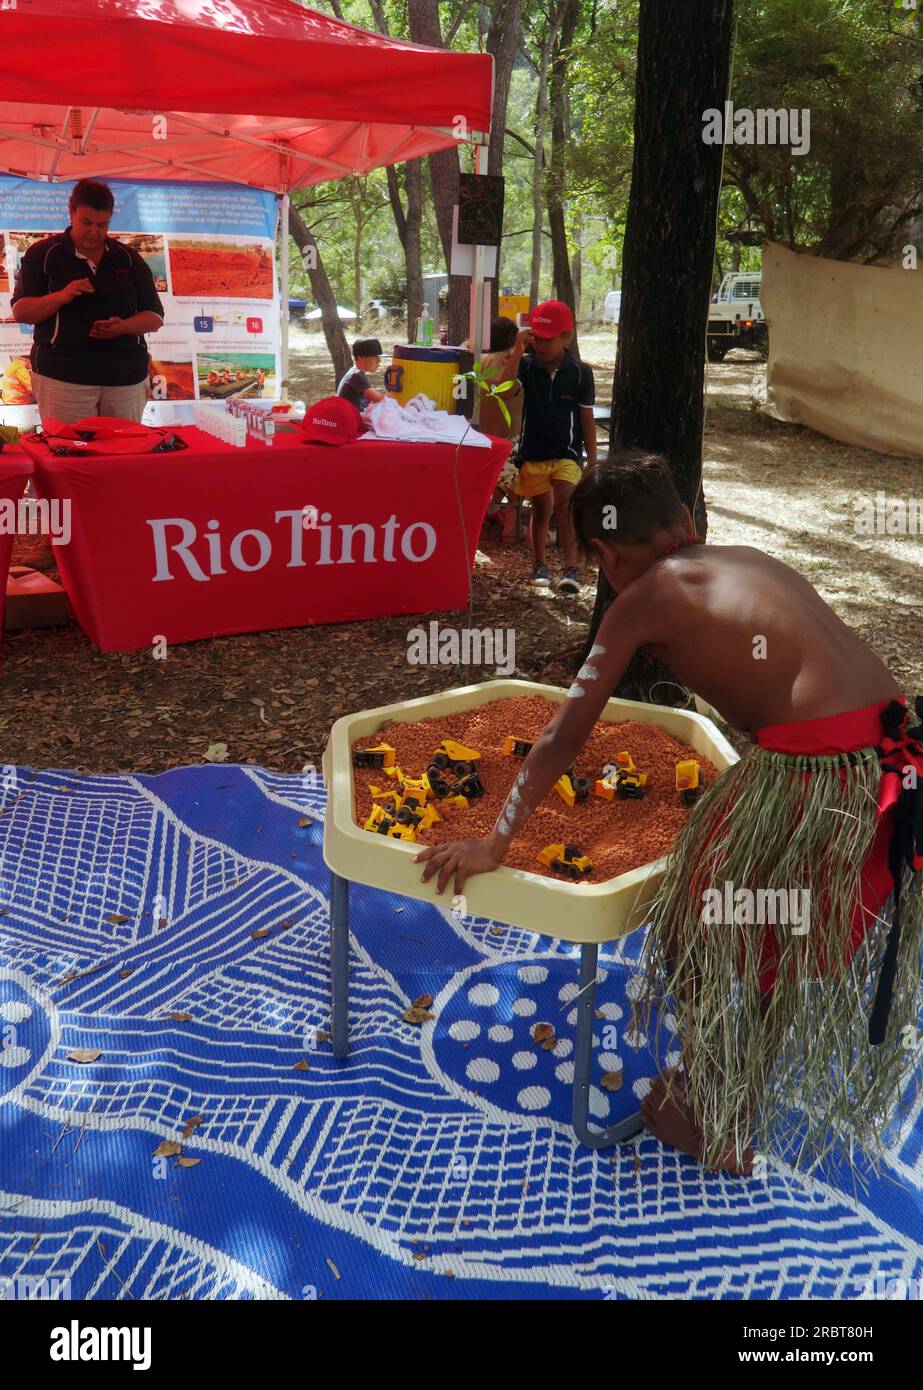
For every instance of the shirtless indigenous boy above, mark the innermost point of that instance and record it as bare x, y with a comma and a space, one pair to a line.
794, 1041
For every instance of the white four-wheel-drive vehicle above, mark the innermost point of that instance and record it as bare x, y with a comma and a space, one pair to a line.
735, 317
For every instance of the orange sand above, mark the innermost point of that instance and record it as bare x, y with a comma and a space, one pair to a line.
616, 835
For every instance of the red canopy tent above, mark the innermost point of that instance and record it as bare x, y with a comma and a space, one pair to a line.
261, 92
264, 92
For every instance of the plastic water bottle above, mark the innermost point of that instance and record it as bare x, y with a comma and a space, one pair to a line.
425, 328
269, 428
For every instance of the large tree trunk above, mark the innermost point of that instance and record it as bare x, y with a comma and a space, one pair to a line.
503, 43
409, 221
556, 181
443, 171
684, 55
538, 168
323, 294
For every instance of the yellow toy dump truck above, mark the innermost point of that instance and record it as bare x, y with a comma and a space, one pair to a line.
688, 780
621, 779
515, 747
571, 788
381, 823
565, 859
455, 757
382, 755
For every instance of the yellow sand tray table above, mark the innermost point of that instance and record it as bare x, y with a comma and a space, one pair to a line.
610, 902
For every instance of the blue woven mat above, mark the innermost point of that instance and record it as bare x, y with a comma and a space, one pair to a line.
178, 926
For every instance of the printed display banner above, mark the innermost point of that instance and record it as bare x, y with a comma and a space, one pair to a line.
210, 247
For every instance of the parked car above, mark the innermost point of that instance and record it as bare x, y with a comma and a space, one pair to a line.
612, 307
735, 318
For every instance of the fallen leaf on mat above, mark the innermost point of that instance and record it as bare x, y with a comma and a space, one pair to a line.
124, 974
305, 820
116, 919
549, 1044
84, 1054
192, 1125
612, 1080
423, 1002
189, 1162
415, 1015
301, 1066
168, 1148
260, 933
333, 1267
181, 1017
541, 1031
323, 1035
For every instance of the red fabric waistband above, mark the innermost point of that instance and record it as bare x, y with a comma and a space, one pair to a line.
835, 733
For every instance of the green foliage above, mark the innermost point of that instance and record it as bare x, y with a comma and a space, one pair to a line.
486, 388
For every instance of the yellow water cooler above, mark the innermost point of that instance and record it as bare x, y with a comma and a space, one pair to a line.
430, 370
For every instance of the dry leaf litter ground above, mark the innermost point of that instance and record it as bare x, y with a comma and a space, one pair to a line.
271, 697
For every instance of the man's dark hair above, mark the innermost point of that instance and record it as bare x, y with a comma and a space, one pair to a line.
89, 193
503, 335
367, 347
626, 499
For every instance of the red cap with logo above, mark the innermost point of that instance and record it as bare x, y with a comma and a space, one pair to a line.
334, 420
550, 319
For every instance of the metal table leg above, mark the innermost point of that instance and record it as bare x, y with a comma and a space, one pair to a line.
339, 962
583, 1052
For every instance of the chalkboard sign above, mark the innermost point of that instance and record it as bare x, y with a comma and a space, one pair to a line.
480, 209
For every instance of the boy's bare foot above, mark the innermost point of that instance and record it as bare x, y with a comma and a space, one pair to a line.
669, 1118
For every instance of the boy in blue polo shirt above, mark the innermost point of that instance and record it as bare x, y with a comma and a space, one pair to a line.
557, 424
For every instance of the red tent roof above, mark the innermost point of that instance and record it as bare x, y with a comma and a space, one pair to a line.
266, 92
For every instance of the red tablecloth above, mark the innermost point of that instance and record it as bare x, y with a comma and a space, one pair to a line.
15, 471
213, 539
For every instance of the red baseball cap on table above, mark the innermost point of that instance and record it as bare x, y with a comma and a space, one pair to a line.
550, 319
334, 420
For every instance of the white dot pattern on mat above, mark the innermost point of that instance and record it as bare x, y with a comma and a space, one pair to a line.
14, 1056
464, 1030
14, 1011
482, 1069
534, 1097
485, 1039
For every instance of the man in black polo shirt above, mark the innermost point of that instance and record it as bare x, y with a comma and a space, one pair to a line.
557, 423
91, 300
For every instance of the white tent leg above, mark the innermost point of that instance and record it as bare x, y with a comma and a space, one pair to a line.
283, 275
477, 320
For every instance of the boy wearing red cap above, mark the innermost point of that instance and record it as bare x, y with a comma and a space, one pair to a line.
557, 424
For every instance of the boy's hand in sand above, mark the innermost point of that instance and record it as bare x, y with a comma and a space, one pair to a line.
463, 858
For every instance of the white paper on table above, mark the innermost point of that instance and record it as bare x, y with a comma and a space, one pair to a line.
419, 422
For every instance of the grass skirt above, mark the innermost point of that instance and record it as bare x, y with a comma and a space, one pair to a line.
779, 1058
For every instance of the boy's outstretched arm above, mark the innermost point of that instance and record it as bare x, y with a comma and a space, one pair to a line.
625, 627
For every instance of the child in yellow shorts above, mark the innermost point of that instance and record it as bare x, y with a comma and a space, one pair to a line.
557, 424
